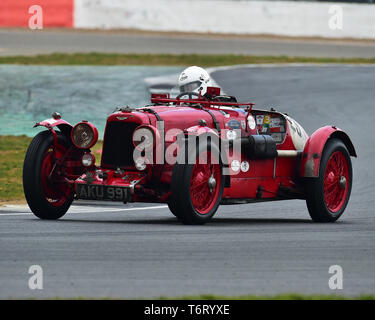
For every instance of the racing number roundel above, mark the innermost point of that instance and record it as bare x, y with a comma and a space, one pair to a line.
251, 122
235, 165
298, 134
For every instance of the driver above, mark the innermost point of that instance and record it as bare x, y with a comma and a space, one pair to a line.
194, 79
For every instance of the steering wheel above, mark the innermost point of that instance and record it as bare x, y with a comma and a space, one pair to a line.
187, 93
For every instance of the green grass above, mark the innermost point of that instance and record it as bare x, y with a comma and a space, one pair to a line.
285, 296
205, 60
12, 154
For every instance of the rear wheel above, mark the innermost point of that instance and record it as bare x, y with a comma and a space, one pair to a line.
197, 188
47, 195
328, 195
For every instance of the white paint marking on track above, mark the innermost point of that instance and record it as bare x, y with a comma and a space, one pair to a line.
96, 209
87, 210
15, 214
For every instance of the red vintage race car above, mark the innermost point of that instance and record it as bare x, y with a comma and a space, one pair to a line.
193, 154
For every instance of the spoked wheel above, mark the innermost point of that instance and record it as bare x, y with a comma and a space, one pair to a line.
197, 188
205, 184
335, 181
328, 195
47, 195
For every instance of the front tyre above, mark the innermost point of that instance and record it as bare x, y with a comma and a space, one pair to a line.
197, 188
328, 195
47, 195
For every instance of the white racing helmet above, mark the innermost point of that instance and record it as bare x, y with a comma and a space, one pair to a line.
194, 79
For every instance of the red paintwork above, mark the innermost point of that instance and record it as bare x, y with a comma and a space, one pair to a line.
266, 179
313, 150
197, 130
50, 123
243, 185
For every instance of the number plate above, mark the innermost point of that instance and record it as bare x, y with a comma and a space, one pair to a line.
101, 192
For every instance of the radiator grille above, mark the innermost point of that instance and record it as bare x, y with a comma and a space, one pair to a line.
118, 146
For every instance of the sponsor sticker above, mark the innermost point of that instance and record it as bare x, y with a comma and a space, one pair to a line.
275, 122
234, 124
260, 119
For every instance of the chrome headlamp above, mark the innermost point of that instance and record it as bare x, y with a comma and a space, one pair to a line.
140, 164
88, 159
84, 135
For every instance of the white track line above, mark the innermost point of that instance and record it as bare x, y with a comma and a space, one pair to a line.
15, 214
95, 209
88, 210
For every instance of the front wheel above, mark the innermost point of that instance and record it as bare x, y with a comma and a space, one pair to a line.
47, 195
328, 195
197, 188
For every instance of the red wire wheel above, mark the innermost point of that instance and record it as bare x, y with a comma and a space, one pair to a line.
205, 183
46, 193
55, 192
328, 195
336, 181
197, 188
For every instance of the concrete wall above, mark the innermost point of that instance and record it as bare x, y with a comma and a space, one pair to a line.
56, 13
286, 18
220, 16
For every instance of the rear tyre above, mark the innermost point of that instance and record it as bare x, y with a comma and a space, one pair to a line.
47, 197
197, 188
328, 195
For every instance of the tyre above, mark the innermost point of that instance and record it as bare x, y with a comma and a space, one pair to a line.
173, 209
197, 188
47, 196
328, 195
